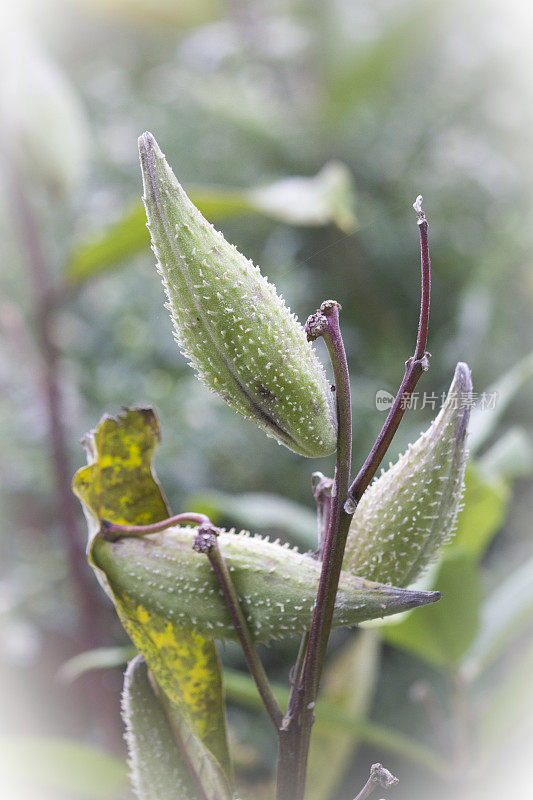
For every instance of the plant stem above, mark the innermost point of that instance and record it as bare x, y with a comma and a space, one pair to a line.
44, 310
339, 520
240, 690
414, 367
322, 487
379, 776
295, 737
111, 531
206, 542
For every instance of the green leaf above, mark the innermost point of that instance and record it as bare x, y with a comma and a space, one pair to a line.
504, 615
98, 658
119, 485
128, 236
510, 457
441, 634
484, 420
485, 505
107, 249
161, 745
39, 769
348, 685
506, 718
260, 511
242, 690
325, 198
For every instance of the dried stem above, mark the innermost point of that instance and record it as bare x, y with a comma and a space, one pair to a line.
206, 542
414, 367
322, 487
379, 776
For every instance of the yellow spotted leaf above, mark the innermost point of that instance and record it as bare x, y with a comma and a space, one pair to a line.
119, 485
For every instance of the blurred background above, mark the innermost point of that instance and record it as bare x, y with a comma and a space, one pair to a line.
304, 129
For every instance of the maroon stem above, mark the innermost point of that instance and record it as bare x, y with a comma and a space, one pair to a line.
206, 542
338, 519
414, 368
295, 736
113, 531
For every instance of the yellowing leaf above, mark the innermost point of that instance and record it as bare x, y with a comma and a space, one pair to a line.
186, 667
119, 485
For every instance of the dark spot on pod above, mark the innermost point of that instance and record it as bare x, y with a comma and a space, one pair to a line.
265, 393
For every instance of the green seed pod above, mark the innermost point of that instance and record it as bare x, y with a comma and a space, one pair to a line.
161, 744
231, 324
158, 769
409, 512
161, 574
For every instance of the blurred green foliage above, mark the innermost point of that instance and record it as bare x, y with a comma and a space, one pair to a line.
410, 97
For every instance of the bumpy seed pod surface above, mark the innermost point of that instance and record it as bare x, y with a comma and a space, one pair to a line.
231, 324
161, 573
410, 510
158, 770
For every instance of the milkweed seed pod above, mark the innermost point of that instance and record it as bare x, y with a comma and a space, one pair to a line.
161, 742
229, 321
158, 770
161, 574
409, 512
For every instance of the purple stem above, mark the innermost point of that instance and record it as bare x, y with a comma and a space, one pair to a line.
295, 736
414, 367
111, 531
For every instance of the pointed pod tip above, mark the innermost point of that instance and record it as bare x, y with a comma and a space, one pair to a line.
414, 599
150, 157
149, 153
460, 400
462, 377
146, 141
